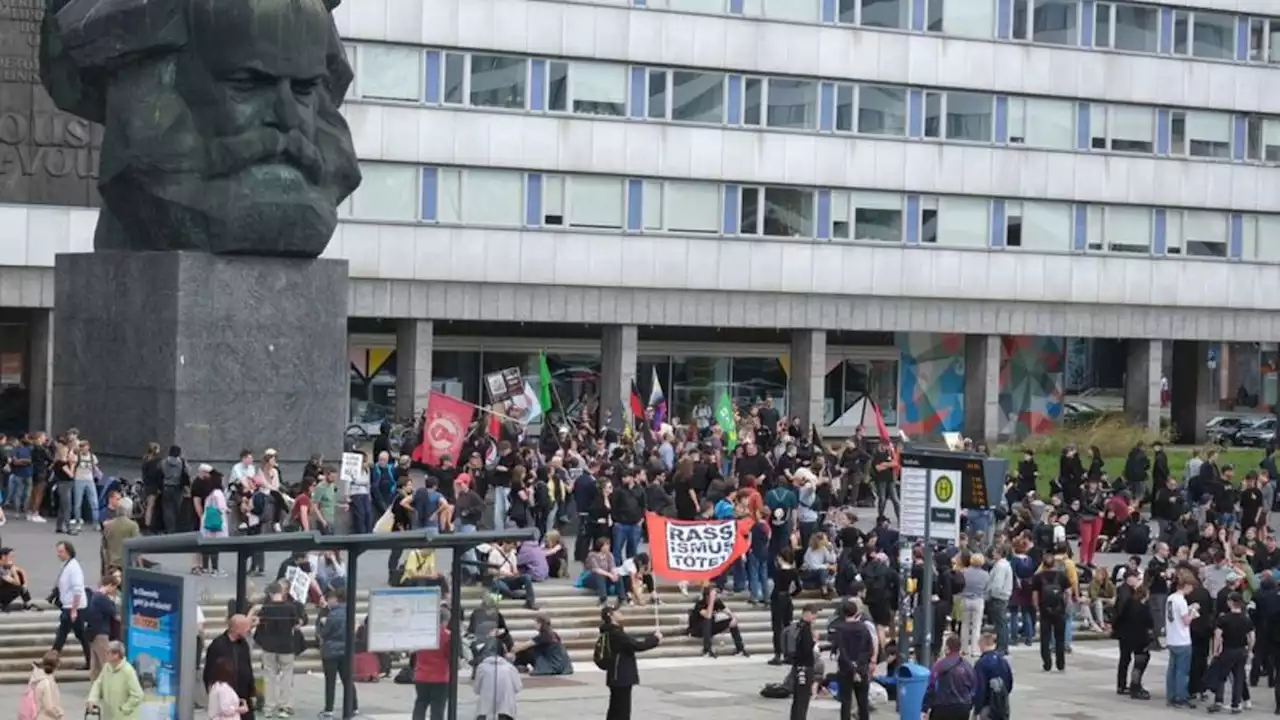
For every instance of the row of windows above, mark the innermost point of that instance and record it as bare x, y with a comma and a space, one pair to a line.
511, 198
1125, 26
797, 104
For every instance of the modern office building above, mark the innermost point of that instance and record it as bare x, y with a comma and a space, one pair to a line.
969, 210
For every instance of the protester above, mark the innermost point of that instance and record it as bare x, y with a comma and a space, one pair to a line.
278, 635
1051, 595
13, 583
43, 689
116, 694
619, 659
855, 646
71, 598
1178, 618
496, 686
973, 597
1134, 628
331, 633
232, 646
709, 617
1233, 640
545, 654
224, 703
101, 617
803, 660
952, 685
993, 681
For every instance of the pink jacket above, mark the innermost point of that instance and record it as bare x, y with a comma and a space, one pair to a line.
224, 704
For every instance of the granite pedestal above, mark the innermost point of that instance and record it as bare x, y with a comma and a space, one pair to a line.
212, 353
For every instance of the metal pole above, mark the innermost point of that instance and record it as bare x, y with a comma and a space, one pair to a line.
926, 582
242, 573
455, 629
349, 639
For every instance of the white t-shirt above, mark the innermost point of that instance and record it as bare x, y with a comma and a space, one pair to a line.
627, 568
1177, 634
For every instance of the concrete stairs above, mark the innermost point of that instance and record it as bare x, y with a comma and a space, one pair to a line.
574, 613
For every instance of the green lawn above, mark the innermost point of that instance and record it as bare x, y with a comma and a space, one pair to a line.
1244, 460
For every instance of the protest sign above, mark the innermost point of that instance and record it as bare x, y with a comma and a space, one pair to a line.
695, 550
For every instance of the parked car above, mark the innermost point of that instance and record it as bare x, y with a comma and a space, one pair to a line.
1077, 414
1224, 429
1260, 434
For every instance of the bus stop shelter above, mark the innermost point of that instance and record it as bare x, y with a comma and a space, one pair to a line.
353, 546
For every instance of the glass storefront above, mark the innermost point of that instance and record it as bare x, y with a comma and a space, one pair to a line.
686, 380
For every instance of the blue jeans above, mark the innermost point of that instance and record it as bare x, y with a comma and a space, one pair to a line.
1022, 624
507, 587
626, 542
1178, 673
471, 572
500, 508
19, 492
758, 577
738, 571
602, 586
819, 577
361, 514
79, 490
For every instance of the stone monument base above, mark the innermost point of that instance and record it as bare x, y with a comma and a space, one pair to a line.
212, 353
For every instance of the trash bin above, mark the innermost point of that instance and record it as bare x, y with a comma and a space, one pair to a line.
912, 680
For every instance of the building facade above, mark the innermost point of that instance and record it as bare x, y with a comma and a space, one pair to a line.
967, 210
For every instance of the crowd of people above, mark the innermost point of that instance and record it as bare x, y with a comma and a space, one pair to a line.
1020, 570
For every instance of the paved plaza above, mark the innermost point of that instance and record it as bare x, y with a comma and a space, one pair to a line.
679, 689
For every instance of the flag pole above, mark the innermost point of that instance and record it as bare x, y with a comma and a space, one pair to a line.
483, 409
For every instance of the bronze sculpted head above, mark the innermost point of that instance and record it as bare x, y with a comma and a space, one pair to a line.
222, 131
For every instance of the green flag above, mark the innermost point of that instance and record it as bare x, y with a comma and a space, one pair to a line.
727, 422
544, 382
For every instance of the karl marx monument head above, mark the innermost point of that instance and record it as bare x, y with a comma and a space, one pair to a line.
222, 131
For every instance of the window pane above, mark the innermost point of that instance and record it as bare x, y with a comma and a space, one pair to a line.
692, 207
1102, 25
1271, 140
558, 86
599, 89
1178, 133
885, 13
1209, 134
386, 192
1132, 129
967, 18
844, 108
795, 10
1137, 28
1181, 31
652, 204
1257, 40
1050, 123
753, 102
492, 197
964, 222
1269, 238
392, 73
1128, 229
1054, 22
454, 72
498, 81
1020, 19
788, 212
1273, 52
1214, 35
697, 97
1205, 234
658, 94
840, 214
1018, 120
449, 203
933, 114
969, 116
933, 16
877, 216
882, 110
1046, 226
847, 11
595, 202
793, 103
553, 200
748, 222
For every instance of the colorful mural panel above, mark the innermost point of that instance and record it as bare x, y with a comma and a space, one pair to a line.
1032, 372
932, 384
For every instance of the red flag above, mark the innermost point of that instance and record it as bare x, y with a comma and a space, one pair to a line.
637, 406
444, 428
495, 426
695, 550
881, 428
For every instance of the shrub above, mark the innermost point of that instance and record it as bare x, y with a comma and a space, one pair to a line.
1114, 436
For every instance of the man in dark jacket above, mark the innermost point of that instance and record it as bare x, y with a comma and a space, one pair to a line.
952, 685
628, 513
1159, 466
1135, 472
176, 480
278, 619
233, 645
803, 660
1201, 637
854, 644
100, 618
621, 673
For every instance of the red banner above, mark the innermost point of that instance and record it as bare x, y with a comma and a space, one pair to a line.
695, 550
444, 429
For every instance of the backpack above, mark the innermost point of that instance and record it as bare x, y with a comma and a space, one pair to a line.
775, 691
602, 654
997, 707
212, 520
790, 638
27, 707
1052, 595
